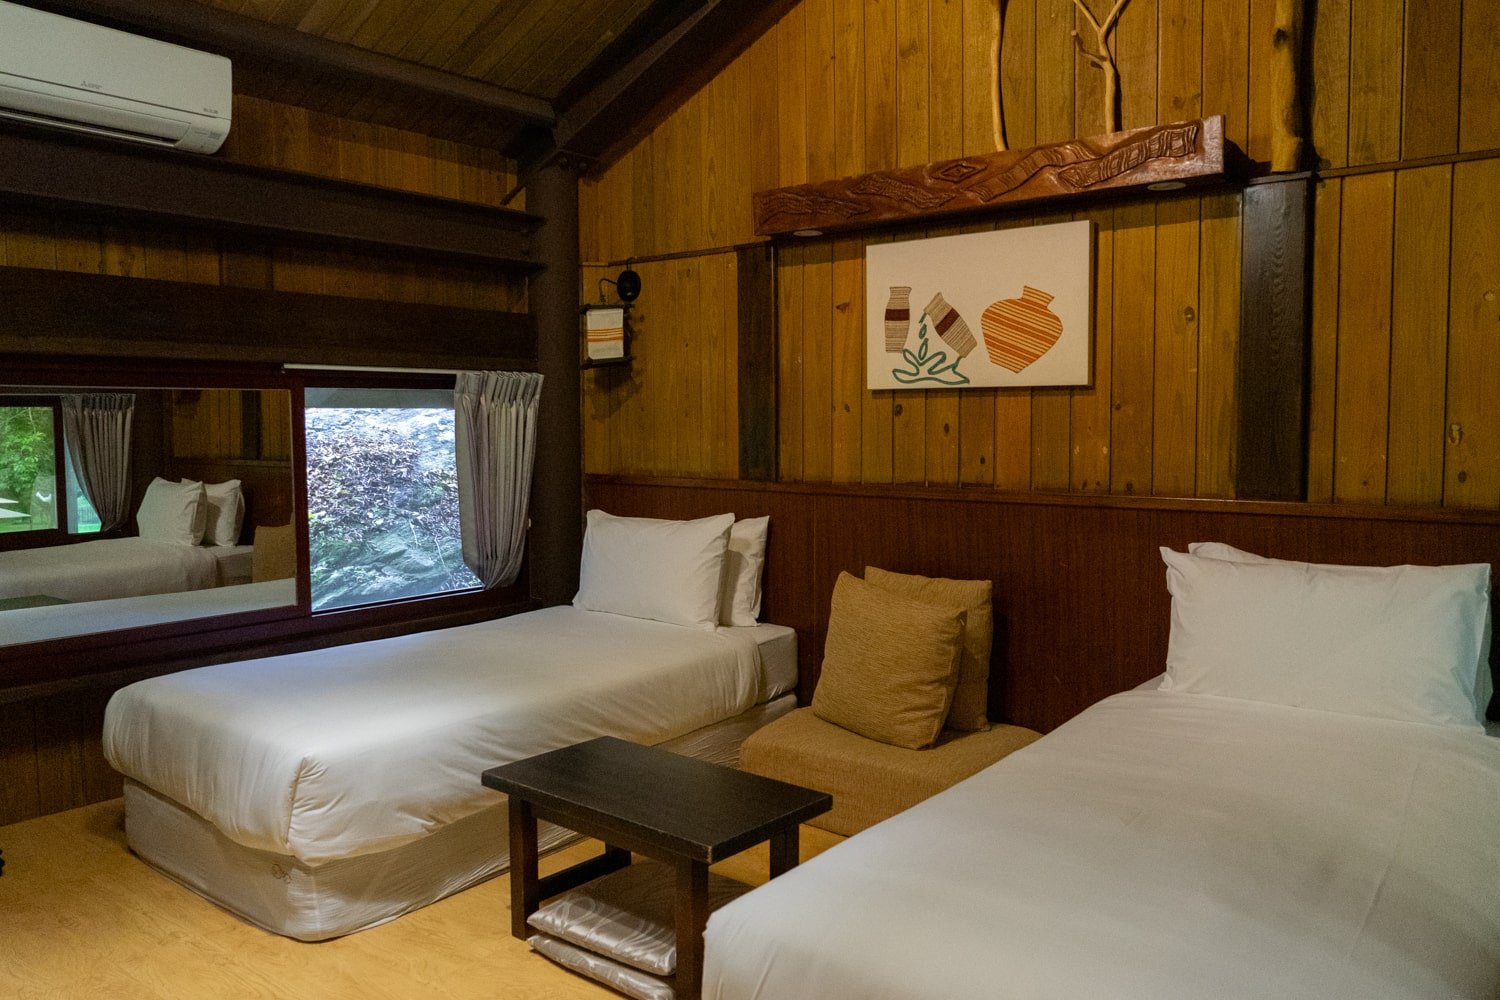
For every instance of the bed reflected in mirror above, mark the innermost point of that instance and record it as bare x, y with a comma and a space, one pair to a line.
140, 507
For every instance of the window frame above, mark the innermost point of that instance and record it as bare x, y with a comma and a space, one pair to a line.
330, 378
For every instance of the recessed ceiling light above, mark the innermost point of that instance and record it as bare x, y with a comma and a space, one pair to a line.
1166, 186
808, 233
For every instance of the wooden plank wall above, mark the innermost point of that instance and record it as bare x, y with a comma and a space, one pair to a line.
1406, 283
210, 423
292, 138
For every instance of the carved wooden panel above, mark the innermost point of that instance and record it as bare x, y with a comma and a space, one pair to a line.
1191, 151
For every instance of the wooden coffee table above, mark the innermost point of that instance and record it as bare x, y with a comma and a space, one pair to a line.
685, 812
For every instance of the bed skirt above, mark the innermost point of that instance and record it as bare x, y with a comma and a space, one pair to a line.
282, 895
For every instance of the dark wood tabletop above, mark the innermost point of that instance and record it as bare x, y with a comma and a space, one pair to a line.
689, 807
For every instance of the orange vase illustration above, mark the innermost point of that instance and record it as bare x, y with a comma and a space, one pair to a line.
897, 318
1018, 331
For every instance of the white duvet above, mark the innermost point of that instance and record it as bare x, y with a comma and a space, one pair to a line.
1158, 846
361, 748
106, 568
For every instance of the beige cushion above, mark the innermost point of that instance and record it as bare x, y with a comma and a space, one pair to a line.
889, 664
275, 553
870, 781
969, 710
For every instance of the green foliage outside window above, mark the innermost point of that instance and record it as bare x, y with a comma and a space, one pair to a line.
382, 496
27, 454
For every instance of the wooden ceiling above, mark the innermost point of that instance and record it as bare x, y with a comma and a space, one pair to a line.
531, 78
534, 47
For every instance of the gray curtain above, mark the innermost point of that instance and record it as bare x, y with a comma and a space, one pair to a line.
495, 432
96, 430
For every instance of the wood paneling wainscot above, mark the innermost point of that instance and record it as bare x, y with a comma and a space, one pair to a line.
1395, 413
1081, 604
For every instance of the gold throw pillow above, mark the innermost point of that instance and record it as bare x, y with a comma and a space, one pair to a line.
889, 664
969, 711
275, 554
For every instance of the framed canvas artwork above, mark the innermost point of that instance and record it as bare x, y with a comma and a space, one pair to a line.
983, 310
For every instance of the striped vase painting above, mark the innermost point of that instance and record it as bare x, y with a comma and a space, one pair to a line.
1002, 309
1019, 331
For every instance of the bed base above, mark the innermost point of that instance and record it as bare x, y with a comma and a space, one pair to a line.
278, 893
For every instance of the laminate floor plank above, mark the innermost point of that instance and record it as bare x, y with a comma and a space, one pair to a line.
81, 916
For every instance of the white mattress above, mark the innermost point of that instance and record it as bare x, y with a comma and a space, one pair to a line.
1158, 846
358, 749
106, 568
313, 903
57, 621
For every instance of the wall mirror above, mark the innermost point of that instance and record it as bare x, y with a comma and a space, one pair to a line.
103, 525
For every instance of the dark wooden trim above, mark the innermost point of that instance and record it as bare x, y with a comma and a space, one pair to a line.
49, 313
1274, 364
627, 104
117, 658
985, 495
756, 269
104, 179
1177, 153
1442, 159
268, 56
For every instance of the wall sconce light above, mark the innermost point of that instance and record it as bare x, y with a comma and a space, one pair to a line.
606, 328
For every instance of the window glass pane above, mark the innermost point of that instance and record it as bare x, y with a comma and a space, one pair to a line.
28, 474
82, 518
382, 496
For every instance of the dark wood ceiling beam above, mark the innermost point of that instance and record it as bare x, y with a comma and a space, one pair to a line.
55, 314
44, 168
331, 66
624, 105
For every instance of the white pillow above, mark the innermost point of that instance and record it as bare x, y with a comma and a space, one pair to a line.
226, 512
1484, 681
668, 571
739, 602
173, 512
1398, 643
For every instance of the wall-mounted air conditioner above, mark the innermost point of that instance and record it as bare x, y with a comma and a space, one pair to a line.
69, 74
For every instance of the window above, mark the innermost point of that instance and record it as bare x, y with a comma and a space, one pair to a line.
382, 496
38, 490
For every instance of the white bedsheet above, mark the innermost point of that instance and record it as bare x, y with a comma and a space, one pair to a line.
1158, 846
106, 568
361, 748
60, 620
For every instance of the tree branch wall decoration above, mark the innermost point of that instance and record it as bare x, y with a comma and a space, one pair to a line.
1103, 58
997, 109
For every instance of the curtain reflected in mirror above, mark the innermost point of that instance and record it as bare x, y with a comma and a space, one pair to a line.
130, 508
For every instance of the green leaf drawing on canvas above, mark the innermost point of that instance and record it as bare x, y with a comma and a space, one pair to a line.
928, 366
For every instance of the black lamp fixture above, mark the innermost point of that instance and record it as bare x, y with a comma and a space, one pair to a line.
627, 285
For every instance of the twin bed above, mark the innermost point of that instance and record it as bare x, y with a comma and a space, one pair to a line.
1306, 805
323, 792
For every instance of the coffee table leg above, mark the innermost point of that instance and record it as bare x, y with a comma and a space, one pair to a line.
691, 918
785, 850
525, 891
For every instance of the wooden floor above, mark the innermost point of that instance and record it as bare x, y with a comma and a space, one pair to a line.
80, 916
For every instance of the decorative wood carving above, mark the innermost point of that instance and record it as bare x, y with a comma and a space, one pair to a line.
1182, 151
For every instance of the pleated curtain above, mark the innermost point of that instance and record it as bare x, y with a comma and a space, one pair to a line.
495, 415
96, 430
